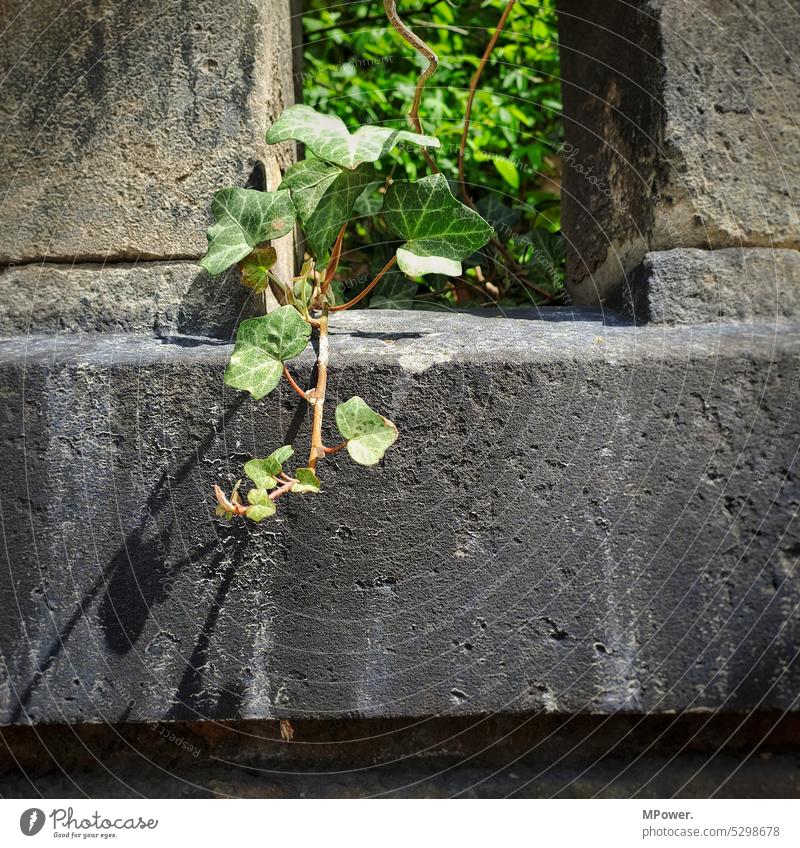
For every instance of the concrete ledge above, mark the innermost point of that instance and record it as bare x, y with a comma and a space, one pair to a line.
579, 517
692, 286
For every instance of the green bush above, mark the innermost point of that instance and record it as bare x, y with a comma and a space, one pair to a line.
358, 67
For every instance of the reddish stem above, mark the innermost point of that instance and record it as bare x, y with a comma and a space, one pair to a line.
293, 383
472, 88
336, 254
362, 294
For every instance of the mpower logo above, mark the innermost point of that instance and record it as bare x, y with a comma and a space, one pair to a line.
64, 821
31, 821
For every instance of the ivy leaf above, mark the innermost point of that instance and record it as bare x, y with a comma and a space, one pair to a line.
245, 218
307, 481
328, 138
500, 216
323, 195
368, 434
264, 471
394, 291
254, 268
262, 346
370, 202
439, 230
261, 506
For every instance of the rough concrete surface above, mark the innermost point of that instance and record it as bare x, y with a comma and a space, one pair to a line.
155, 297
731, 136
121, 120
681, 130
579, 517
692, 286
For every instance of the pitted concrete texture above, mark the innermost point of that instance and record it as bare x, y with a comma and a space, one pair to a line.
680, 121
579, 516
153, 297
691, 286
121, 120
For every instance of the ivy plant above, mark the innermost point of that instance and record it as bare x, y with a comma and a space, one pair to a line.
321, 195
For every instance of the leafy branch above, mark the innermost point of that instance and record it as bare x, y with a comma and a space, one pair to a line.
320, 193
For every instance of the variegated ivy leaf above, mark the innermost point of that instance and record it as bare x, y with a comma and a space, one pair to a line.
368, 434
245, 218
261, 505
263, 472
255, 267
323, 195
262, 346
439, 230
327, 137
307, 481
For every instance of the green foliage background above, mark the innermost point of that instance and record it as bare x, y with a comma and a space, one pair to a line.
357, 67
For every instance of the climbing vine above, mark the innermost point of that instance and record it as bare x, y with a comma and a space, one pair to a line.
321, 194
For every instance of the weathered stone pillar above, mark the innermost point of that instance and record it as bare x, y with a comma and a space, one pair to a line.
120, 121
681, 132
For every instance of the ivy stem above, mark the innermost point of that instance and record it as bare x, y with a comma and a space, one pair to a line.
433, 63
222, 500
329, 451
362, 294
293, 383
317, 448
472, 89
281, 490
336, 254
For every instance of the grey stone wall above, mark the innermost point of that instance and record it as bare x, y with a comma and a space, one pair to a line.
582, 515
681, 132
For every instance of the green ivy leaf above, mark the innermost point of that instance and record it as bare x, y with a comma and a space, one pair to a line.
264, 471
323, 195
439, 231
254, 268
500, 216
394, 291
261, 506
245, 218
328, 138
307, 481
368, 434
370, 202
262, 346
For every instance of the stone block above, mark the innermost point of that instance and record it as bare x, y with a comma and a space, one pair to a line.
121, 121
163, 298
579, 517
692, 286
680, 131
